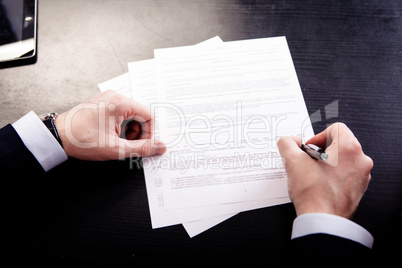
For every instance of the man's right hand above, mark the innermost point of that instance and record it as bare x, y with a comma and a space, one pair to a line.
335, 187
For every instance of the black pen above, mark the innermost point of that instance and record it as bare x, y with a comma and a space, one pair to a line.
314, 151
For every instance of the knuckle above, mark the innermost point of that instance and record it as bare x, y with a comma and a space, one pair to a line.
355, 146
352, 146
339, 125
109, 92
281, 141
368, 163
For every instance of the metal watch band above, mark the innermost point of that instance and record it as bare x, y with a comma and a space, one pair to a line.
48, 120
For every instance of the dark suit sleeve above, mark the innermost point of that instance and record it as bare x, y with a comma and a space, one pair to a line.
324, 246
15, 158
22, 178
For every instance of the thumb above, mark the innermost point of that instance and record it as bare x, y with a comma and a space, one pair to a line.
289, 147
143, 147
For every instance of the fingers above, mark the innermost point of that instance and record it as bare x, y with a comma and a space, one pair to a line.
289, 147
133, 110
142, 148
331, 135
336, 140
126, 109
139, 130
335, 188
133, 130
144, 123
322, 139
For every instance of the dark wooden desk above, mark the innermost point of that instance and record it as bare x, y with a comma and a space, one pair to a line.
346, 53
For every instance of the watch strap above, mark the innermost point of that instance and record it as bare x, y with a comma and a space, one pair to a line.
48, 120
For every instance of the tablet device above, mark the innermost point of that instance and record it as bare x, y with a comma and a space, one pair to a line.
18, 31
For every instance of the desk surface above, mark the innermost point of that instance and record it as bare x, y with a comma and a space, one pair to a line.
347, 53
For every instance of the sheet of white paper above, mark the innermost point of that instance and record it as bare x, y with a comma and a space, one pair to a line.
140, 83
196, 227
120, 84
143, 81
144, 89
225, 109
160, 217
198, 213
143, 76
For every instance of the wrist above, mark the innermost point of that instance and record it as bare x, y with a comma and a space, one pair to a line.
59, 123
322, 207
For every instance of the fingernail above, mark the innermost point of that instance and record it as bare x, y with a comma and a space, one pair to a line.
160, 148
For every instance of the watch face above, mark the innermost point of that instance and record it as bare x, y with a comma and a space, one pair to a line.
18, 24
44, 117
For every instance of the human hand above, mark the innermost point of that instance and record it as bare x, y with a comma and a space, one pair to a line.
333, 188
91, 130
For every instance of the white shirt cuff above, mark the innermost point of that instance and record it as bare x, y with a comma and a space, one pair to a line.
40, 141
314, 223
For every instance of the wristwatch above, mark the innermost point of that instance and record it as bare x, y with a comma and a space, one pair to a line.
48, 120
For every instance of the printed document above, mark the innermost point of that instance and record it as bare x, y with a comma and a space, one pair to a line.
220, 107
223, 110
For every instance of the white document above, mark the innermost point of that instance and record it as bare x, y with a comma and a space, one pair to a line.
121, 84
142, 75
143, 78
194, 228
143, 89
224, 110
197, 227
223, 106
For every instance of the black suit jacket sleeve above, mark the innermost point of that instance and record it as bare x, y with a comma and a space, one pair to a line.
324, 246
15, 158
22, 181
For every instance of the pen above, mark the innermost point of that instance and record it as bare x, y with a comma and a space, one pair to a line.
314, 151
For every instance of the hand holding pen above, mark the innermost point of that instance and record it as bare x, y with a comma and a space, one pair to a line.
314, 151
335, 188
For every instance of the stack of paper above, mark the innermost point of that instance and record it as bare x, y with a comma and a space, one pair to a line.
220, 107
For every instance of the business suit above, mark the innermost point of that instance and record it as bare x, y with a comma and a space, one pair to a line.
15, 156
326, 246
19, 169
28, 150
16, 161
